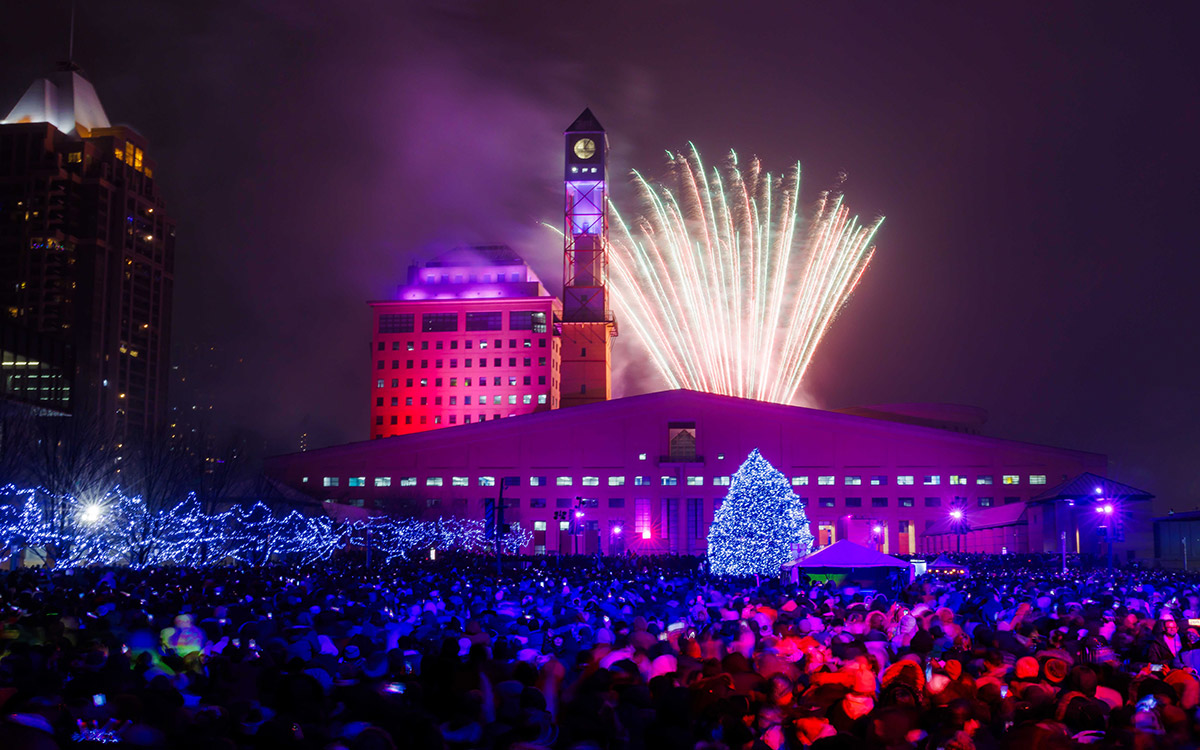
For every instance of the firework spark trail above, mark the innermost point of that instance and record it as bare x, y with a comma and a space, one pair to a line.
723, 284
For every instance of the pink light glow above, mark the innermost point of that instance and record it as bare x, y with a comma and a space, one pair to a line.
645, 533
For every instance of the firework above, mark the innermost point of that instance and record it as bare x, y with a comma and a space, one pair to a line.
723, 284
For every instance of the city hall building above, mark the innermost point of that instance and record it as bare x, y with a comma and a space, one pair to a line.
646, 474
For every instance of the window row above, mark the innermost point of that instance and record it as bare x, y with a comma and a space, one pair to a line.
878, 480
443, 322
438, 382
411, 346
410, 364
480, 400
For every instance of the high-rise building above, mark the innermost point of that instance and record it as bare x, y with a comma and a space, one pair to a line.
86, 248
588, 325
469, 339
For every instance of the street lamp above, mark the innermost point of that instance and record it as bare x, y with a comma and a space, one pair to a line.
956, 515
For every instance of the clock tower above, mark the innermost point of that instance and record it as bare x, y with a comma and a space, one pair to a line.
588, 326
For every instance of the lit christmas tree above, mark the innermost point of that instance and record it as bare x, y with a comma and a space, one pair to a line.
761, 526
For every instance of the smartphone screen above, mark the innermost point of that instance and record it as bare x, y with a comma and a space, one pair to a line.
99, 699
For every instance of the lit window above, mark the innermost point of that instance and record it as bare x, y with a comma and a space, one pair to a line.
827, 502
1012, 479
512, 399
305, 480
957, 479
563, 481
983, 479
906, 502
1037, 478
854, 481
904, 479
669, 481
932, 479
721, 481
487, 481
641, 481
541, 398
564, 525
798, 481
537, 481
357, 482
641, 517
616, 481
695, 481
591, 481
539, 525
433, 482
378, 383
826, 480
460, 482
641, 456
986, 502
383, 481
331, 481
408, 482
878, 480
527, 399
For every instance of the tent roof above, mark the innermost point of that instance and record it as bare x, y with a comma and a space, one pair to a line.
944, 562
847, 554
1091, 486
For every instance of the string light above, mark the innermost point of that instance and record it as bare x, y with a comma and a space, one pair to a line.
761, 526
121, 530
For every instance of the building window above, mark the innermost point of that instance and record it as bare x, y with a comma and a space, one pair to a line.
933, 502
591, 481
986, 502
616, 502
879, 502
720, 481
357, 482
799, 481
958, 479
879, 480
563, 481
331, 481
983, 479
537, 481
396, 323
906, 502
408, 482
433, 482
641, 481
669, 481
460, 482
1037, 478
1012, 479
383, 481
487, 481
438, 322
826, 480
379, 383
931, 479
695, 481
853, 481
562, 502
1011, 500
527, 320
485, 321
616, 481
641, 517
827, 502
904, 479
538, 502
854, 502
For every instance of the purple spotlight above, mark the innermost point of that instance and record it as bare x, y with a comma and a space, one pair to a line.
878, 529
956, 514
1098, 490
617, 530
1108, 509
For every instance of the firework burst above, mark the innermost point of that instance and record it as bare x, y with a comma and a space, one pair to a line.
723, 284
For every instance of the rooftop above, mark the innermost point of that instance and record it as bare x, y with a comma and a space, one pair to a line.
65, 99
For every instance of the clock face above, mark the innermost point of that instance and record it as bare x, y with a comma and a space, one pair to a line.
585, 148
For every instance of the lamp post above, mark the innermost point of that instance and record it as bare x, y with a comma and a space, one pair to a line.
956, 515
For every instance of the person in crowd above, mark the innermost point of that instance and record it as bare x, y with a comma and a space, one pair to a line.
632, 652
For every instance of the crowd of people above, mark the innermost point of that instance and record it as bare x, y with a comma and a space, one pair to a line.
581, 653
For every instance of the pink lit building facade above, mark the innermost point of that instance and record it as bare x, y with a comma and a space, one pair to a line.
648, 472
470, 339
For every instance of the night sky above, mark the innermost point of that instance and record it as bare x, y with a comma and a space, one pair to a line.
1037, 167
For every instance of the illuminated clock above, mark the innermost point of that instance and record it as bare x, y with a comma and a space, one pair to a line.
585, 148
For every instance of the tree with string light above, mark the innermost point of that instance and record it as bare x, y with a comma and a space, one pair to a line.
761, 526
